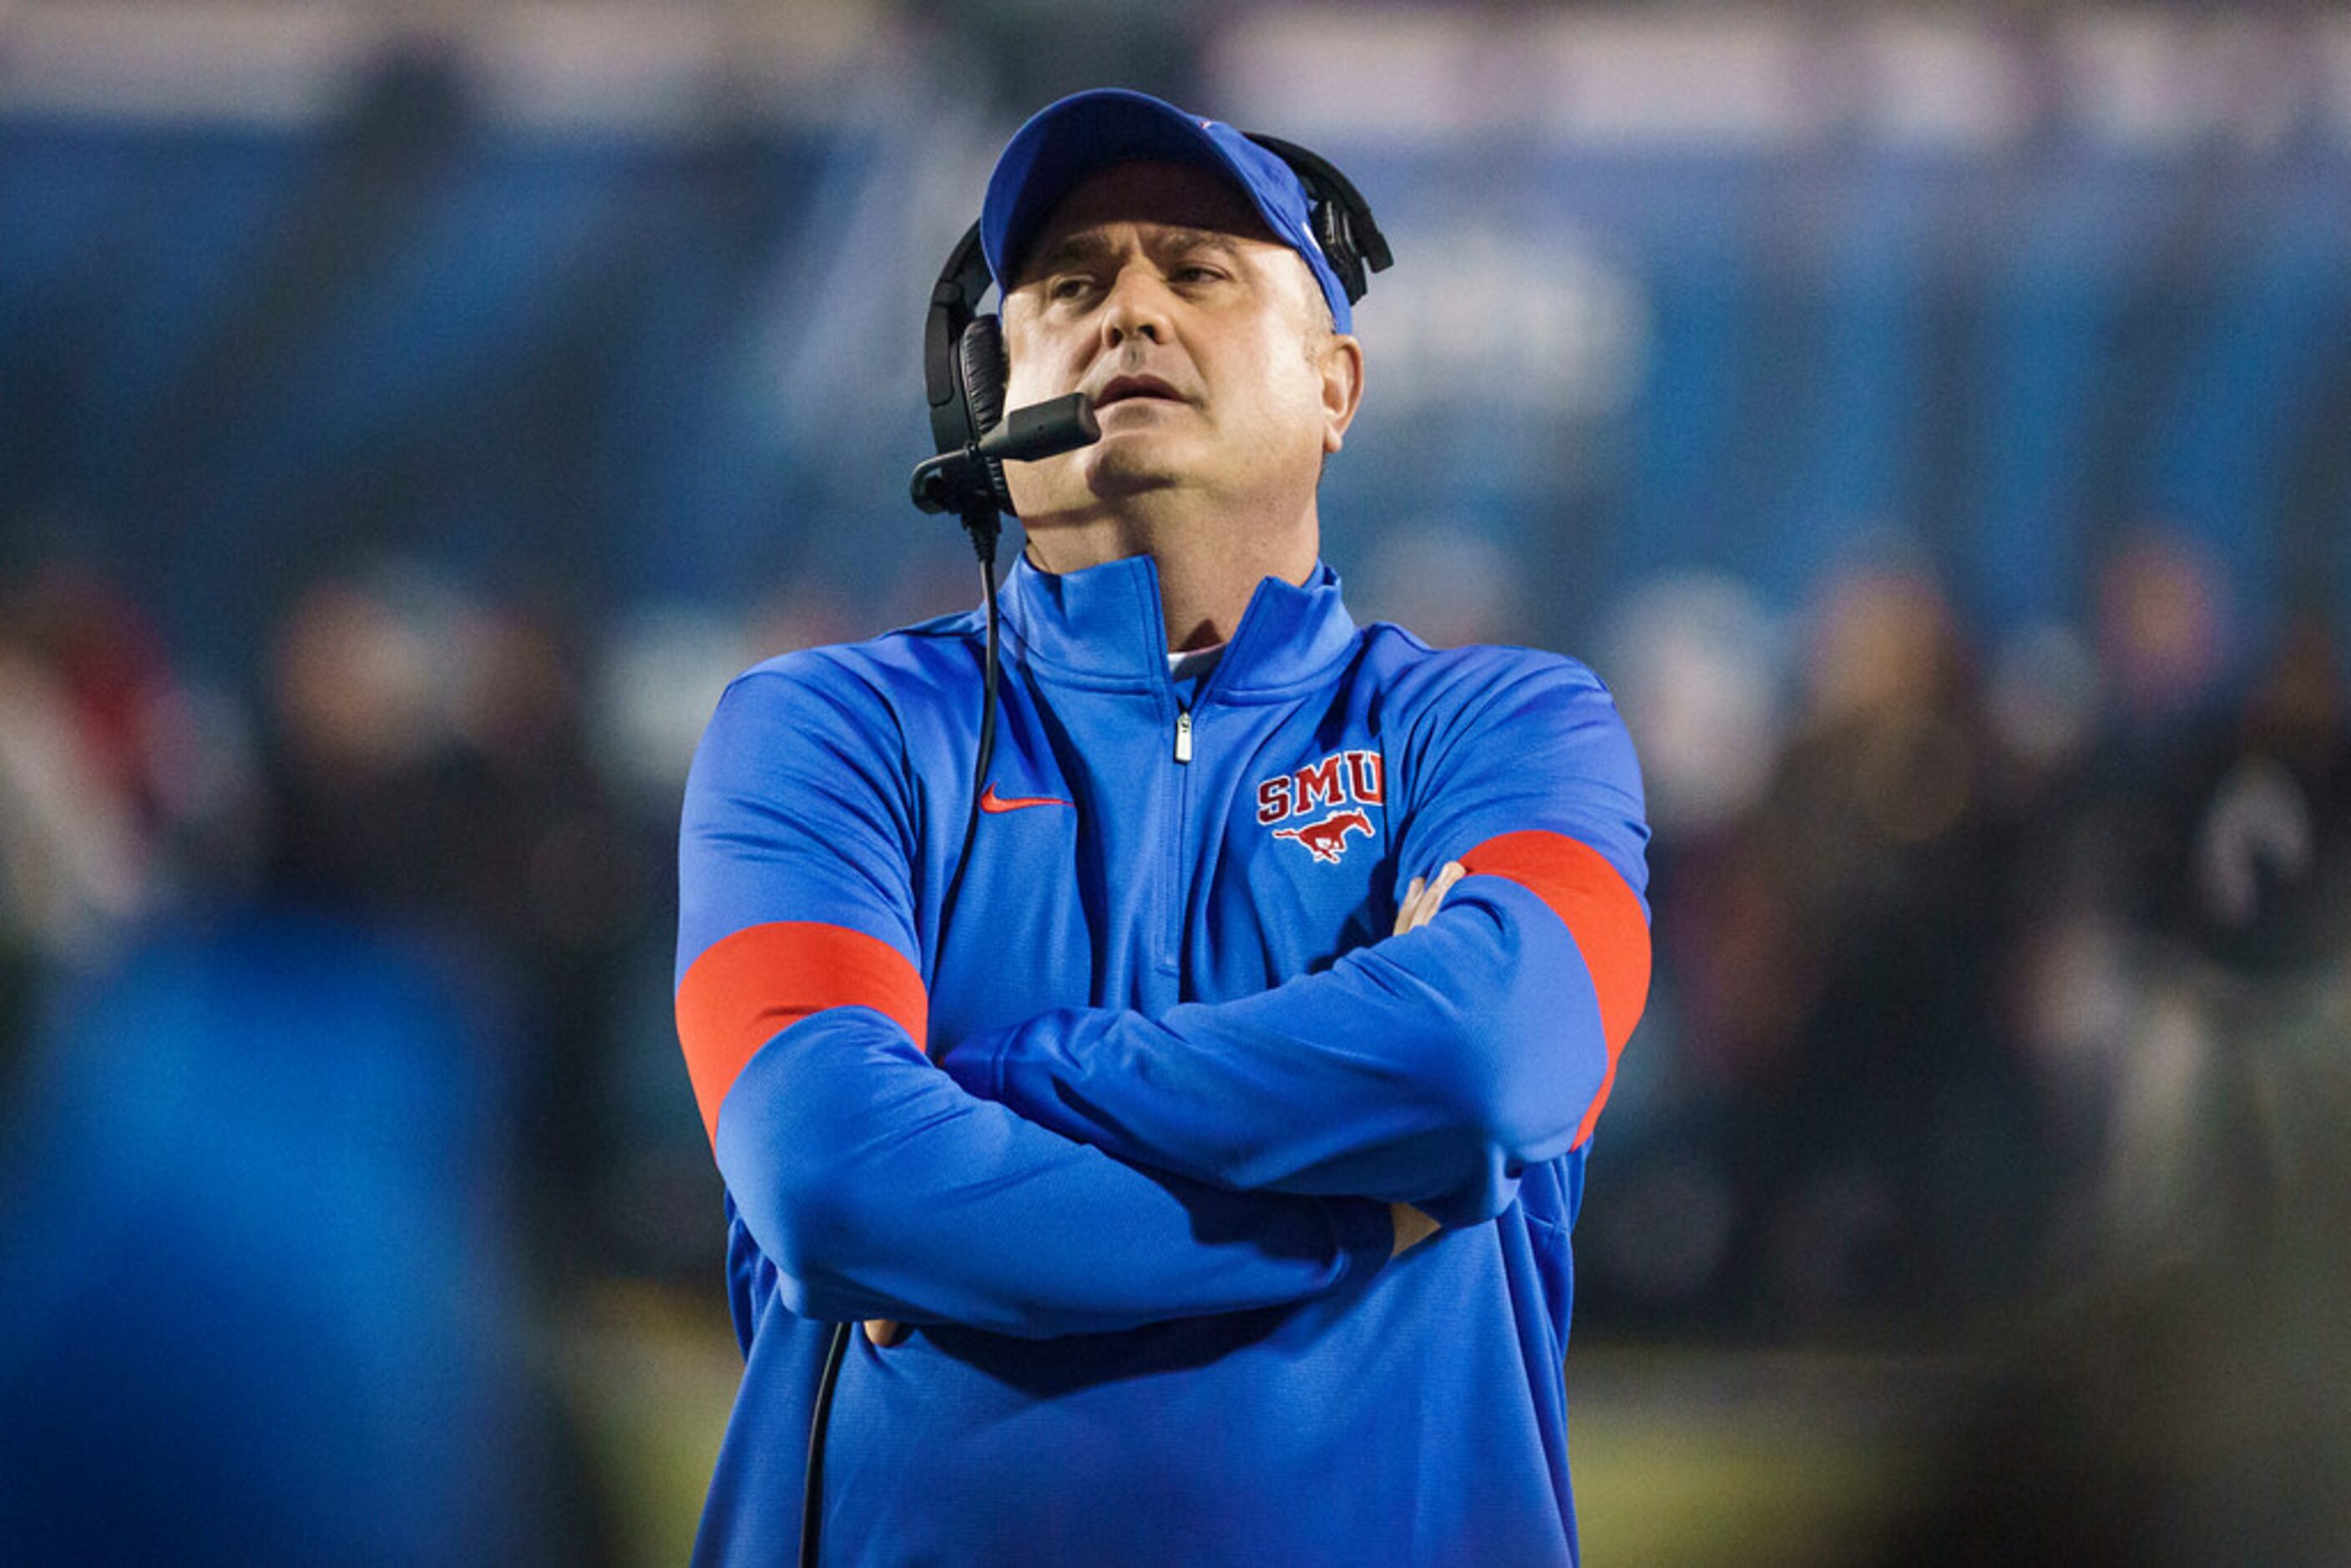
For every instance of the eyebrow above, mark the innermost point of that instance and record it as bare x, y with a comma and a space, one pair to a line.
1090, 244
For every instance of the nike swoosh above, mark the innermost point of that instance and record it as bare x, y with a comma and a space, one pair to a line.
992, 802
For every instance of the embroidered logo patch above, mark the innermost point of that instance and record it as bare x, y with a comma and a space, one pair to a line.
1327, 840
1338, 787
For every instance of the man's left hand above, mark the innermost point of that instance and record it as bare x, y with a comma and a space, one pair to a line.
1418, 908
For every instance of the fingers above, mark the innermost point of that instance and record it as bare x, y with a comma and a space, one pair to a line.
883, 1332
1421, 898
1405, 920
1412, 1228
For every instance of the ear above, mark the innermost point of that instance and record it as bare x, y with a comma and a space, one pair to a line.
1340, 362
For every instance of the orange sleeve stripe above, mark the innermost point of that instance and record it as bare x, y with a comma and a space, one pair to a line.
751, 986
1601, 912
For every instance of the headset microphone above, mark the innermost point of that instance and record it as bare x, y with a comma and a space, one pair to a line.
959, 481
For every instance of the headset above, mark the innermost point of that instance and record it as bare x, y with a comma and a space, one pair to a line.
963, 374
964, 365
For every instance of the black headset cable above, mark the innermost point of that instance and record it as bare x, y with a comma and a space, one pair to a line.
983, 544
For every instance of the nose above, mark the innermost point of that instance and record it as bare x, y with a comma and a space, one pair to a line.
1135, 308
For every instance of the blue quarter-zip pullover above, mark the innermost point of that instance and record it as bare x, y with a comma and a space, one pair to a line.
1112, 1119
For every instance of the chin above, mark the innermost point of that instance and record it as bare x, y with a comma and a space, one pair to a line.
1127, 466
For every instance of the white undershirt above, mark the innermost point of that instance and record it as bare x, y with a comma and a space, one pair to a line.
1193, 662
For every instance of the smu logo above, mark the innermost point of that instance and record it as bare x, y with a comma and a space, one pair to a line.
1327, 840
1340, 786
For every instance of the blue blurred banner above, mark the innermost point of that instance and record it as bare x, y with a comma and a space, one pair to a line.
1749, 300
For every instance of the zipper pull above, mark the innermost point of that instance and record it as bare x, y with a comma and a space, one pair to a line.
1182, 735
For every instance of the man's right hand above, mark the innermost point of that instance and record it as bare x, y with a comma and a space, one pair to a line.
1412, 1228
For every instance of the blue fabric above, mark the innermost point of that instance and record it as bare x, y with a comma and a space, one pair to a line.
1069, 139
1132, 1198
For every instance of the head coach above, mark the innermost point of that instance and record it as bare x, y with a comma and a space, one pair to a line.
1189, 1091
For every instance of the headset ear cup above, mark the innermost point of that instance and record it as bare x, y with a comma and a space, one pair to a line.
980, 361
1337, 237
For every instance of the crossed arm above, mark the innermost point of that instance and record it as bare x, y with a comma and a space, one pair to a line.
1411, 1225
1091, 1168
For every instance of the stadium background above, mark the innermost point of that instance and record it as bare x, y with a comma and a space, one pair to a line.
1936, 426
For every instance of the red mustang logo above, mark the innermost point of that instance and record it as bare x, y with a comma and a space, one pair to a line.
1327, 840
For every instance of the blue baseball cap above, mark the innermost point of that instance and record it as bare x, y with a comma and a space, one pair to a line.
1067, 141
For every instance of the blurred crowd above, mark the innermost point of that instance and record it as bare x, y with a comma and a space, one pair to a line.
2004, 1011
1986, 970
410, 760
1975, 960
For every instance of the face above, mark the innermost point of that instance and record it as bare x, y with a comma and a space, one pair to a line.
1204, 342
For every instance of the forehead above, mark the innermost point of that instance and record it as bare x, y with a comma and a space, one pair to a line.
1174, 195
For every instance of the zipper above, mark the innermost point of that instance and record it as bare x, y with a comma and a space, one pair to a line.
1171, 953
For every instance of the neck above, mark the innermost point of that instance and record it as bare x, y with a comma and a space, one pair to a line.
1209, 561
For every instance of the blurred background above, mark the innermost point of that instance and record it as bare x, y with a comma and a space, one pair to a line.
1935, 424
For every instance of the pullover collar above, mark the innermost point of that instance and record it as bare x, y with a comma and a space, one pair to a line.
1103, 627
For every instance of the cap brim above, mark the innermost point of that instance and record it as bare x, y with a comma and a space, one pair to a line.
1066, 141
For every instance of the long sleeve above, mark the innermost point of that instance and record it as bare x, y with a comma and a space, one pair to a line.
1429, 1068
875, 1185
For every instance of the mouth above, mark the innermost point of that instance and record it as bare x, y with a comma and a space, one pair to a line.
1132, 388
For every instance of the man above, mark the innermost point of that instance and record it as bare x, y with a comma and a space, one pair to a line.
1154, 1210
